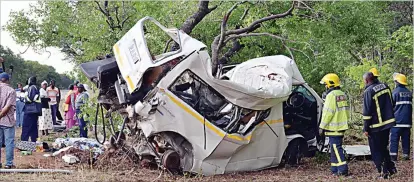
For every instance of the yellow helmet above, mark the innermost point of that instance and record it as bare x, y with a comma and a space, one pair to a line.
330, 80
374, 71
400, 78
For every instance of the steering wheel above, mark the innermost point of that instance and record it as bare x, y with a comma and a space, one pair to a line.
295, 100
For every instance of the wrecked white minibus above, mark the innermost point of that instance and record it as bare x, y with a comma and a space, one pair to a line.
251, 116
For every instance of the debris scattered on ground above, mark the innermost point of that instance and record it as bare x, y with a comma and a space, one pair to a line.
84, 144
26, 152
61, 150
70, 159
59, 128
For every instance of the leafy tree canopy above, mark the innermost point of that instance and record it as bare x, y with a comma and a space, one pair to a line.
23, 69
340, 37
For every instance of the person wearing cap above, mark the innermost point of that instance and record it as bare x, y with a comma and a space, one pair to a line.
334, 122
81, 99
378, 119
7, 120
374, 72
403, 109
29, 129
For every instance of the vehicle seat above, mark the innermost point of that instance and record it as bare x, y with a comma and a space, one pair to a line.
107, 72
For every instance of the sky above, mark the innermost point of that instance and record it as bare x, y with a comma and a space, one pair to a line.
56, 57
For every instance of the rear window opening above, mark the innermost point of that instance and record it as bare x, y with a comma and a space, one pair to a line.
159, 43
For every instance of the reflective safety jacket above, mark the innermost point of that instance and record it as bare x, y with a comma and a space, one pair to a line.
378, 111
403, 106
335, 113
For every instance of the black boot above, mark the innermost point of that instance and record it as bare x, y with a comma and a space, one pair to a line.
343, 174
393, 171
384, 176
406, 157
47, 132
43, 132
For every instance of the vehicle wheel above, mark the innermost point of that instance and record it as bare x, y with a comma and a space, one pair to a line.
171, 161
295, 151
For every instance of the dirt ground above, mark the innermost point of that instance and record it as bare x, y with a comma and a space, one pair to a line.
310, 170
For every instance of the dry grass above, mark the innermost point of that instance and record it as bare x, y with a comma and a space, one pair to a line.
114, 167
310, 170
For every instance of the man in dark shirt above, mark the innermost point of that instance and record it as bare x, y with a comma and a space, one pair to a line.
378, 120
403, 110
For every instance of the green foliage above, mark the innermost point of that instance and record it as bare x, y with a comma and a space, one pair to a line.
355, 73
340, 37
402, 41
321, 158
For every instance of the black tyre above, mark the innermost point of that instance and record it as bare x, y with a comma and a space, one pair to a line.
295, 151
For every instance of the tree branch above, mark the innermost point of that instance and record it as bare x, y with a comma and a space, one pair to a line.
234, 49
257, 34
301, 52
191, 22
220, 41
224, 23
105, 11
100, 8
306, 6
288, 49
355, 56
123, 10
246, 11
26, 49
117, 18
123, 22
257, 23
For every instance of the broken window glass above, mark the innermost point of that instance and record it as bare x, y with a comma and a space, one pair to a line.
300, 113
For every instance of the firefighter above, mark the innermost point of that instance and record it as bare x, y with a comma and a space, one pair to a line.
374, 72
403, 115
378, 118
335, 122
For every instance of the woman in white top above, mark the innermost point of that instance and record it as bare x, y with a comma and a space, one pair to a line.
45, 121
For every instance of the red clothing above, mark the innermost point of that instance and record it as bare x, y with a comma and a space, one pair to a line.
75, 90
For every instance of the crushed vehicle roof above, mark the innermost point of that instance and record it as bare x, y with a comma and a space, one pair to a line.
196, 59
237, 93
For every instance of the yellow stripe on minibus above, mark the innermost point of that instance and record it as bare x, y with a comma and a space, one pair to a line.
213, 127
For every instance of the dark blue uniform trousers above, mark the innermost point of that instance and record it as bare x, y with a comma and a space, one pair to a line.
29, 128
82, 124
396, 133
338, 161
378, 143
